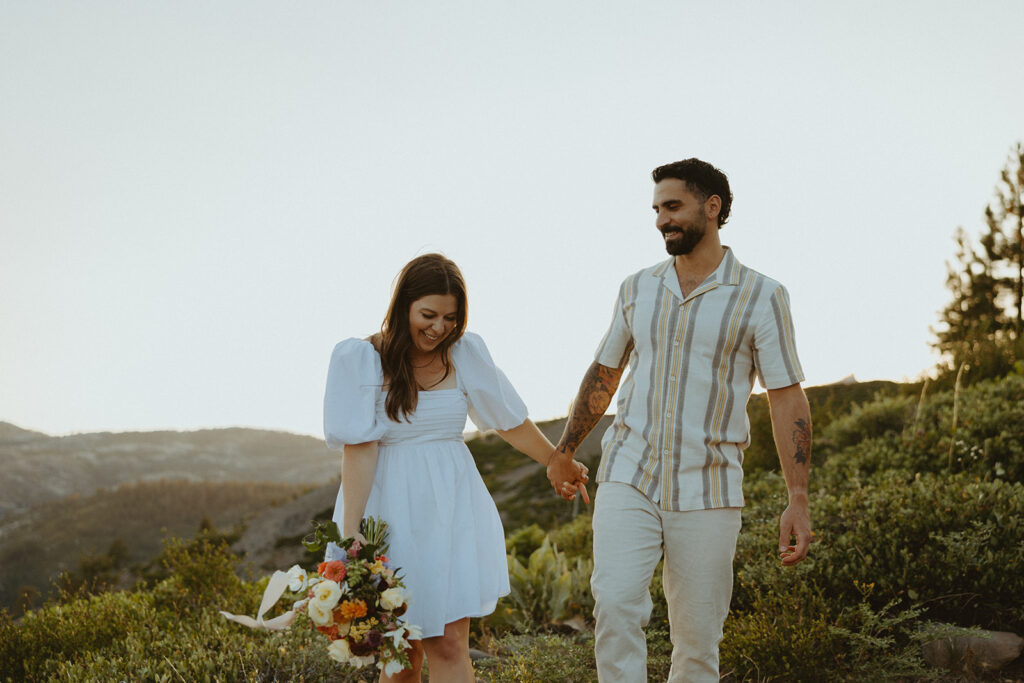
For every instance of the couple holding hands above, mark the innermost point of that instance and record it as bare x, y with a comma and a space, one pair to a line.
694, 330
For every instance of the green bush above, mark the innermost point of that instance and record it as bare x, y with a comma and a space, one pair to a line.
171, 632
576, 538
545, 592
522, 542
202, 574
540, 659
904, 432
882, 418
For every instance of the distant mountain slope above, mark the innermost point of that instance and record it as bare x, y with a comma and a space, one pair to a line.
35, 468
9, 432
55, 535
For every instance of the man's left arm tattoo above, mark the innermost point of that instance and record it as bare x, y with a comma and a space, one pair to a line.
802, 441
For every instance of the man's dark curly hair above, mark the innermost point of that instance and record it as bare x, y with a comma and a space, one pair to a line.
702, 179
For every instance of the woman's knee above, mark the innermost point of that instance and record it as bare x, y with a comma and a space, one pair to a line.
452, 646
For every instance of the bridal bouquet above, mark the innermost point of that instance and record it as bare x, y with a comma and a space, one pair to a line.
356, 602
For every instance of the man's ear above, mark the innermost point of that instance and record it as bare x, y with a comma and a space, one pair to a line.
713, 207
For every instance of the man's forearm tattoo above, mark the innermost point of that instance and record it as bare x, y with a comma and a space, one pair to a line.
802, 441
593, 399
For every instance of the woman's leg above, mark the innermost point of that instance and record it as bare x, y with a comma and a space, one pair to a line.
448, 654
409, 675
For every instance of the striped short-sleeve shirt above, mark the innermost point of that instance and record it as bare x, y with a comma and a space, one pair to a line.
681, 422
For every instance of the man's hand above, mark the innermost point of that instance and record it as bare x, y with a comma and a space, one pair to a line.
567, 476
794, 522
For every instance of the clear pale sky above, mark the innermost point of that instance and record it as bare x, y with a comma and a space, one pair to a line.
198, 199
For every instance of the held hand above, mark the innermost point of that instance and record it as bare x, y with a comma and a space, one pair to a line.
567, 476
794, 522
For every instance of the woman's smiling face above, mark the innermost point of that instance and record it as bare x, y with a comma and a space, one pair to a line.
431, 319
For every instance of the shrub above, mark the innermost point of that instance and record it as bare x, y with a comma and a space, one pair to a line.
202, 574
882, 418
523, 541
546, 591
575, 539
538, 659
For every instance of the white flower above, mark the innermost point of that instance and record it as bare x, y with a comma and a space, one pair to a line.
392, 667
325, 598
339, 651
358, 662
318, 614
397, 635
392, 598
415, 632
328, 593
297, 579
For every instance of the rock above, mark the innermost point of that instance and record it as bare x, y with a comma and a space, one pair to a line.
476, 655
990, 650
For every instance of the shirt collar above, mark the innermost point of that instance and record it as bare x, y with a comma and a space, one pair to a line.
727, 273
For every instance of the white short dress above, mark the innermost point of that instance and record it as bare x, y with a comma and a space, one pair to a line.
446, 538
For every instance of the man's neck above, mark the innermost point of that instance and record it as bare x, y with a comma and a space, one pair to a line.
693, 268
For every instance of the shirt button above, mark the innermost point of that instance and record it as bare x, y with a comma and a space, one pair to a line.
668, 413
672, 377
665, 451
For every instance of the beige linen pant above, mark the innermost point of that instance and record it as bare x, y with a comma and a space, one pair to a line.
630, 535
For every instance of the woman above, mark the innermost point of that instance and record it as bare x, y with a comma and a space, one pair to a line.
397, 403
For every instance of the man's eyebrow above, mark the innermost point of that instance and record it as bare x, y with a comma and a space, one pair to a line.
667, 202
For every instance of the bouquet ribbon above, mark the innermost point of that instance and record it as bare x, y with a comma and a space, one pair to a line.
275, 589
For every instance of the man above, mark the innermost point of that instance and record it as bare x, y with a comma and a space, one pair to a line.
695, 330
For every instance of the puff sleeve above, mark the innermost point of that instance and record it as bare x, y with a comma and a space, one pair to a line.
493, 402
350, 402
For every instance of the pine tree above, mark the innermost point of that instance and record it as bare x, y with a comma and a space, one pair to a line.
1005, 219
982, 326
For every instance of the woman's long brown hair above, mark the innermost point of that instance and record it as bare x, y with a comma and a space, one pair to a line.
423, 276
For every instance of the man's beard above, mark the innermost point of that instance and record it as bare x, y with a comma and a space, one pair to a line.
684, 239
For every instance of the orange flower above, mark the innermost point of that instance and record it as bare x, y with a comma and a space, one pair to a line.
352, 609
329, 631
332, 571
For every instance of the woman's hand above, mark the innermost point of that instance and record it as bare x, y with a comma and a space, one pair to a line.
567, 476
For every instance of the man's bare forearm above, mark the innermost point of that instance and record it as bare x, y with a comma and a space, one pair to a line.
594, 397
791, 425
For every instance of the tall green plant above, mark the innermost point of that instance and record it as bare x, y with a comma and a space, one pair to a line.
983, 326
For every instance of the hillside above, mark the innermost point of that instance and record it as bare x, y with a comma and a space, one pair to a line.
36, 468
56, 536
65, 498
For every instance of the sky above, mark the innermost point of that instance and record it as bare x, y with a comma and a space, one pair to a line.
199, 199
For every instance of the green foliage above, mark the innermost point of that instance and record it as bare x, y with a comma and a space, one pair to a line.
883, 418
546, 591
902, 543
523, 541
540, 659
909, 434
575, 539
983, 325
828, 404
171, 632
781, 630
82, 532
202, 575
